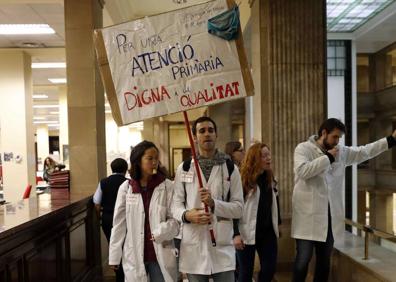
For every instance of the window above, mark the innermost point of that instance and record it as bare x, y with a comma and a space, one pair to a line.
336, 62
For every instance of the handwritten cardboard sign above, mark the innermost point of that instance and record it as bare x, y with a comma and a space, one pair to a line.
169, 63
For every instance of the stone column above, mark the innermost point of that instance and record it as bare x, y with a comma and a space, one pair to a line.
288, 60
42, 143
287, 40
156, 130
148, 129
85, 97
162, 142
222, 115
63, 126
16, 124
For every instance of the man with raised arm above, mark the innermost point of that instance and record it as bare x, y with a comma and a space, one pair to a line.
318, 209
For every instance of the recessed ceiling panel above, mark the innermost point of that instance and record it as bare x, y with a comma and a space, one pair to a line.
349, 15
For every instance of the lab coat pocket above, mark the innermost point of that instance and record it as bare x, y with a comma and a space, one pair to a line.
223, 232
191, 234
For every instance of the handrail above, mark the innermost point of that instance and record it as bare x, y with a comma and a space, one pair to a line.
367, 229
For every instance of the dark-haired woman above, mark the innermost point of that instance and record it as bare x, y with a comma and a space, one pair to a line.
143, 227
235, 150
258, 227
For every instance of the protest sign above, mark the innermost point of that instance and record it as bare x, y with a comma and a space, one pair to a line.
169, 63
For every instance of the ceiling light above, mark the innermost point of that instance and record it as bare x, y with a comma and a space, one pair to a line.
26, 29
39, 118
349, 21
58, 65
40, 96
54, 113
45, 106
54, 125
57, 80
30, 45
46, 122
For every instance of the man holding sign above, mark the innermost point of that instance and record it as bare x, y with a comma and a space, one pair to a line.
222, 193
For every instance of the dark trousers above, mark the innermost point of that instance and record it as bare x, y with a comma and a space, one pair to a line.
267, 249
107, 224
322, 253
177, 242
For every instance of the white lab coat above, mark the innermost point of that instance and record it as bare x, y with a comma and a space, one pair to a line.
319, 183
247, 224
127, 235
197, 255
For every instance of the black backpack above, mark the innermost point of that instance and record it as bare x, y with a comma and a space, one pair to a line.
230, 169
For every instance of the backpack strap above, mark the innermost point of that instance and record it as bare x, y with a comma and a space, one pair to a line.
186, 167
230, 169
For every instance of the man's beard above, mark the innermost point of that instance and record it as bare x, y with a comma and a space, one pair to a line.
327, 145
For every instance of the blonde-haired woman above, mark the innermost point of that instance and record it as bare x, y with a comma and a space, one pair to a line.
262, 211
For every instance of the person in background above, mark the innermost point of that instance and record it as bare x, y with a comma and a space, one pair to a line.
105, 198
50, 166
235, 150
318, 210
261, 211
143, 225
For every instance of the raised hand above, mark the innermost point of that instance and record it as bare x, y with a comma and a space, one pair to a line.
333, 152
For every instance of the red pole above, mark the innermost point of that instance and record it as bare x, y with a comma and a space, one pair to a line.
194, 156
